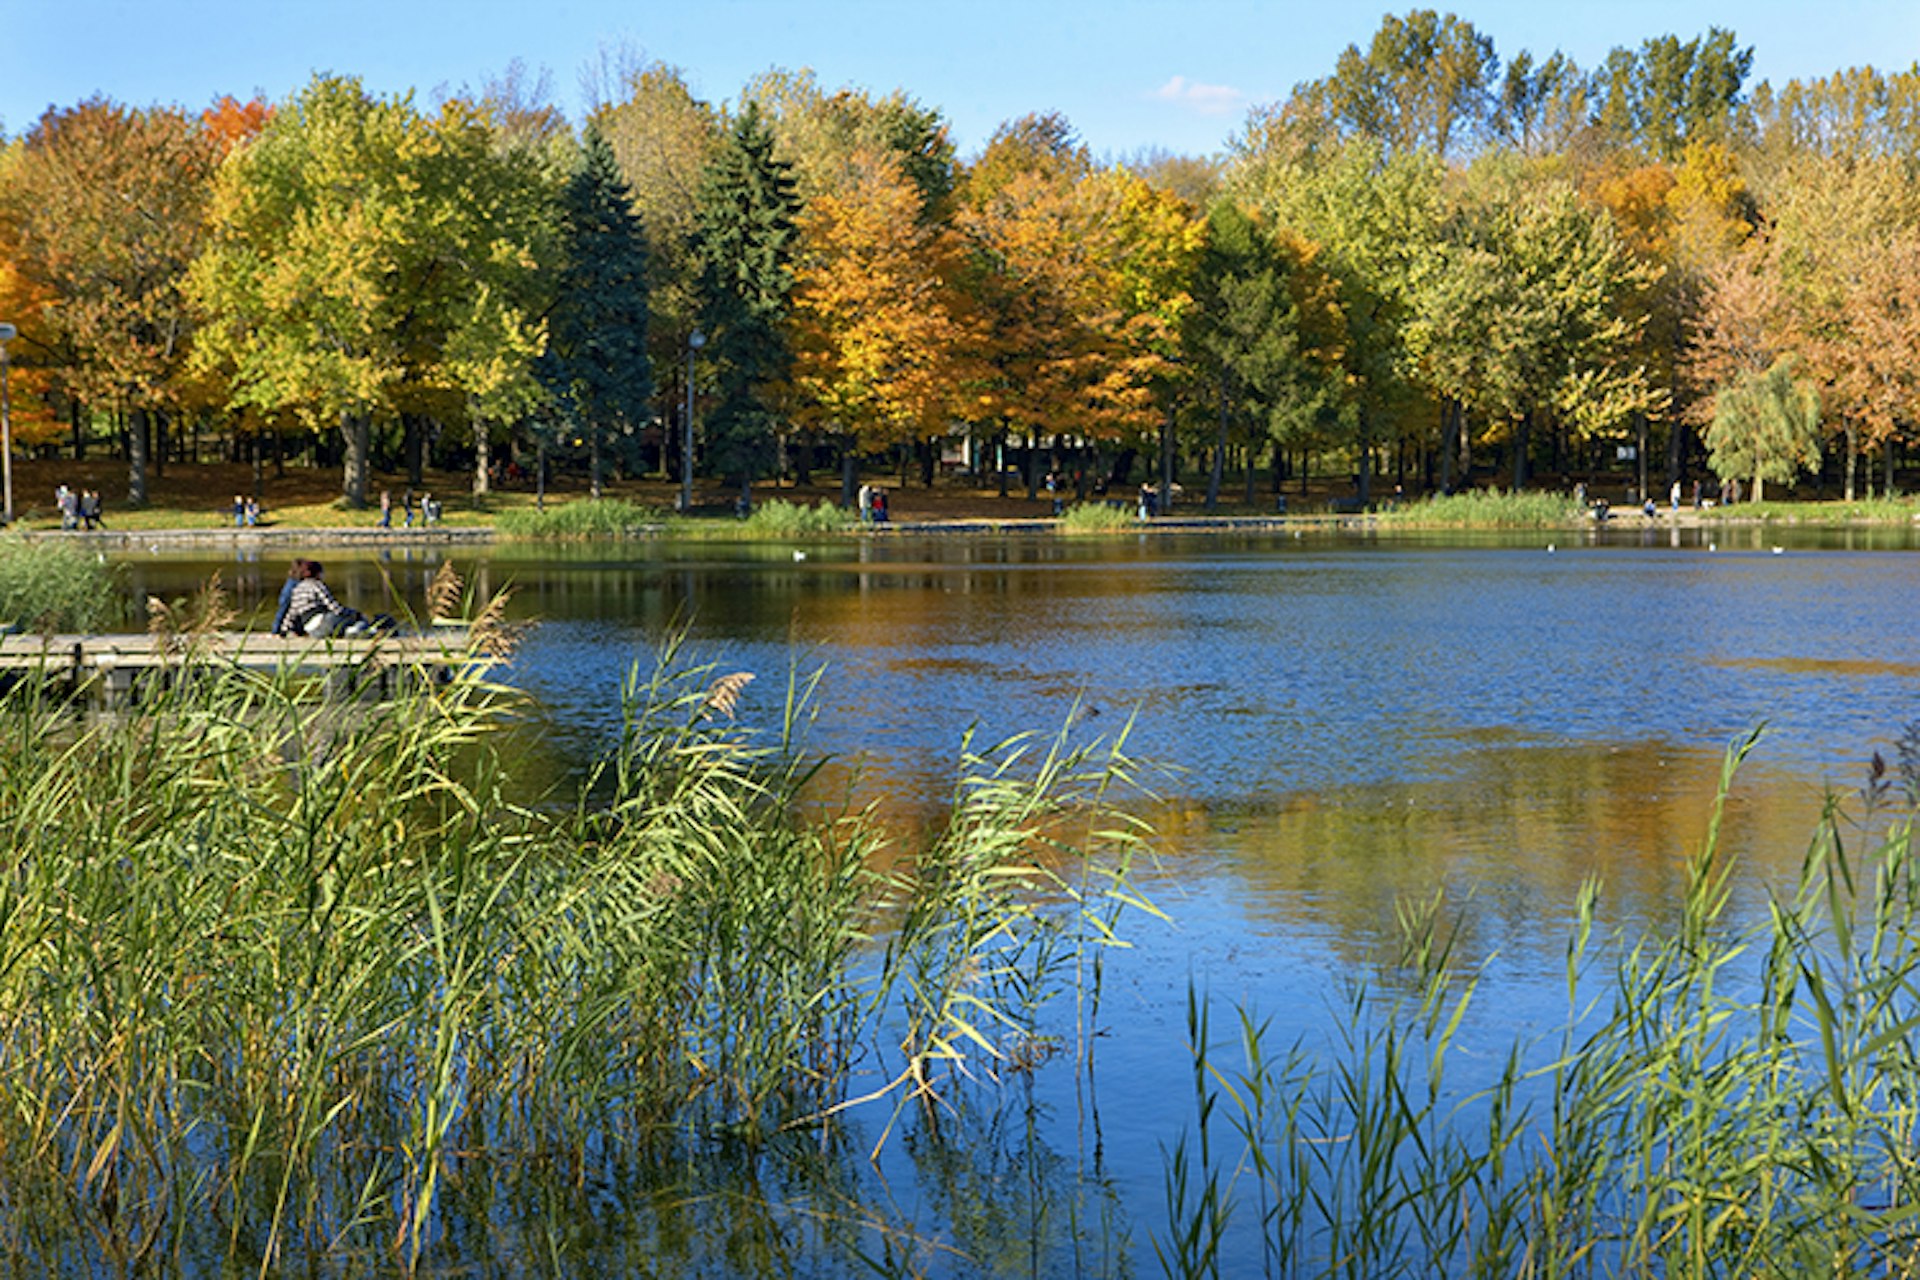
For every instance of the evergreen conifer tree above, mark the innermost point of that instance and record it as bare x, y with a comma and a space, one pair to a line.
744, 240
596, 363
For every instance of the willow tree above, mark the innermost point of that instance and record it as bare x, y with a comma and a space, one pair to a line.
1765, 426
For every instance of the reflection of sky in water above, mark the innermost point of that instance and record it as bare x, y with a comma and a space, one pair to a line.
1353, 725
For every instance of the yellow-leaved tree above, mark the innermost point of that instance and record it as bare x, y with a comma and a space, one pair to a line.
883, 335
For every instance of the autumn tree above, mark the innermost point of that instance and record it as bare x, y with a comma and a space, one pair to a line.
663, 138
596, 362
1670, 92
1841, 242
1519, 311
345, 242
1042, 241
744, 240
1374, 216
1540, 107
881, 328
1765, 426
1423, 83
504, 155
103, 213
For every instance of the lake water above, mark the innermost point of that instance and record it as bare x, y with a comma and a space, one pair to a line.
1348, 723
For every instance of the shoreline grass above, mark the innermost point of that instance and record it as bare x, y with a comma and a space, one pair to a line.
307, 971
55, 588
1486, 509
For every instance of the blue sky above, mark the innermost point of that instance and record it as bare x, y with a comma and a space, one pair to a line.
1128, 73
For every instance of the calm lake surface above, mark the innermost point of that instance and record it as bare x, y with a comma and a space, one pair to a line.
1348, 723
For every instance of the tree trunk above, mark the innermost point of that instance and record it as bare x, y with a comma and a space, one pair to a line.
1853, 456
1759, 488
1887, 453
1366, 458
1676, 451
412, 448
157, 447
1000, 460
1218, 469
1640, 456
259, 471
1252, 455
1522, 431
849, 474
1449, 441
354, 433
79, 430
929, 457
593, 462
137, 459
482, 458
540, 475
1166, 462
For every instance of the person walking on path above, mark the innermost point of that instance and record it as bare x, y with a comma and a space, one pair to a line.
386, 509
407, 505
866, 504
90, 517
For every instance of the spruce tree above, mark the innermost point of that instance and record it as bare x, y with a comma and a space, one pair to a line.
744, 241
596, 363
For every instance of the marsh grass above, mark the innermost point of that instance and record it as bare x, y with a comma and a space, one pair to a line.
1861, 511
1486, 509
288, 983
48, 587
1097, 517
617, 518
581, 518
1720, 1100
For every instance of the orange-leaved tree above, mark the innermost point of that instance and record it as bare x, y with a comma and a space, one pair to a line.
883, 335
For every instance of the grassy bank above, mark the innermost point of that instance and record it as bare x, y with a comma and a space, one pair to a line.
1719, 1100
289, 984
1486, 509
618, 518
1873, 511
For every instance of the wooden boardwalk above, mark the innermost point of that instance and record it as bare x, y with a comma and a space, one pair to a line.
112, 668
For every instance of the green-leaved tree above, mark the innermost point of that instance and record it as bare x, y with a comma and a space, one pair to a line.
1766, 426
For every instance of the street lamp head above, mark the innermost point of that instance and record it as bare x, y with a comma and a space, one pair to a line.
696, 340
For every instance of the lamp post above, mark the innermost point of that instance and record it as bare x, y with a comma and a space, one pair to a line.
7, 334
695, 341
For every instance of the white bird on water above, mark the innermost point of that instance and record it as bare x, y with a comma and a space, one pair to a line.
799, 555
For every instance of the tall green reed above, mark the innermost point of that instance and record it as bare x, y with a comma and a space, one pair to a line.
1722, 1098
316, 972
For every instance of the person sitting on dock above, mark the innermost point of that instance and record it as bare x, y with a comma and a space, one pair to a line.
308, 608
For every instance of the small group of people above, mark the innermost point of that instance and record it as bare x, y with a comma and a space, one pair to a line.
308, 608
873, 504
428, 507
78, 509
246, 512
